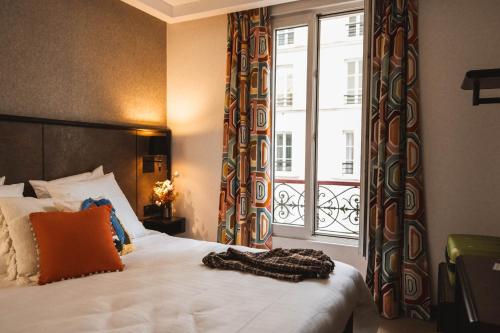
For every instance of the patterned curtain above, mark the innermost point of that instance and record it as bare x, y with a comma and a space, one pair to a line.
398, 272
245, 198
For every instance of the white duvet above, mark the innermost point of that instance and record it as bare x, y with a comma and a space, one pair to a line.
166, 288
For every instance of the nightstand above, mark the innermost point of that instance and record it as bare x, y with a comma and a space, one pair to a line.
171, 226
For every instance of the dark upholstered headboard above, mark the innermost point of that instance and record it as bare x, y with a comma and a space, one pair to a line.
34, 148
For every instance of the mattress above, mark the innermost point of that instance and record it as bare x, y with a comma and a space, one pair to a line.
166, 288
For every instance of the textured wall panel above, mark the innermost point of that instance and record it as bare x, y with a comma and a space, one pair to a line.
73, 150
21, 152
87, 60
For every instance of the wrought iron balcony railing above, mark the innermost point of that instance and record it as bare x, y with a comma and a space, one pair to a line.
337, 206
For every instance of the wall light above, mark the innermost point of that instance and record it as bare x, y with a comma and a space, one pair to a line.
158, 151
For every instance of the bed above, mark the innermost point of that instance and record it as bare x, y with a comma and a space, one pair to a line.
164, 287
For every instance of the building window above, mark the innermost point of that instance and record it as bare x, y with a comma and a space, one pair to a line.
284, 86
355, 26
286, 37
283, 151
354, 81
348, 164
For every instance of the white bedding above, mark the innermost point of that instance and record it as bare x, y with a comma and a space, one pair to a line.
166, 288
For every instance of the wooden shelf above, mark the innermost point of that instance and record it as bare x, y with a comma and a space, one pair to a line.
476, 80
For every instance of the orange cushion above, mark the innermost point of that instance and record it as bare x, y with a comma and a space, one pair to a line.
74, 244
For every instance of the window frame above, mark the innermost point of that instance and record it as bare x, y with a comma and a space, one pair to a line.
287, 70
358, 26
349, 156
284, 148
311, 19
357, 76
286, 39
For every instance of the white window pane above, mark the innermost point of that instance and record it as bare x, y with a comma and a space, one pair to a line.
351, 68
349, 136
350, 82
361, 18
279, 140
279, 153
339, 119
284, 85
350, 154
290, 120
281, 39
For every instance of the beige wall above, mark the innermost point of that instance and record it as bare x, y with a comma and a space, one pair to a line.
88, 60
195, 95
196, 57
461, 151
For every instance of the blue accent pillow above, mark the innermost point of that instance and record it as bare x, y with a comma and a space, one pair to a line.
120, 237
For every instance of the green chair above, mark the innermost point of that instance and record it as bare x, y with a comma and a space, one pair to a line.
457, 245
462, 244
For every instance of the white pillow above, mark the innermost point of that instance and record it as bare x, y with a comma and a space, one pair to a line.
40, 186
2, 180
16, 213
7, 255
13, 191
102, 187
68, 205
6, 250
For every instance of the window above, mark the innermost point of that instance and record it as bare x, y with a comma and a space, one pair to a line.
283, 151
317, 190
348, 164
290, 126
285, 37
284, 86
355, 26
354, 81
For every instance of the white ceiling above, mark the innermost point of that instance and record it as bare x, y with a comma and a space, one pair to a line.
173, 11
179, 2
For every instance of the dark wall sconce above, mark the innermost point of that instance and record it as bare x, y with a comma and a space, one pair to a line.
158, 151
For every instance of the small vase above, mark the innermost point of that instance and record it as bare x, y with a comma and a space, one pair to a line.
165, 211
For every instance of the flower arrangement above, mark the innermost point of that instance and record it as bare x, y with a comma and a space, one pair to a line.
164, 192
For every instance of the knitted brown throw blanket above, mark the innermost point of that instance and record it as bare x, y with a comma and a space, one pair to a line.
283, 264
